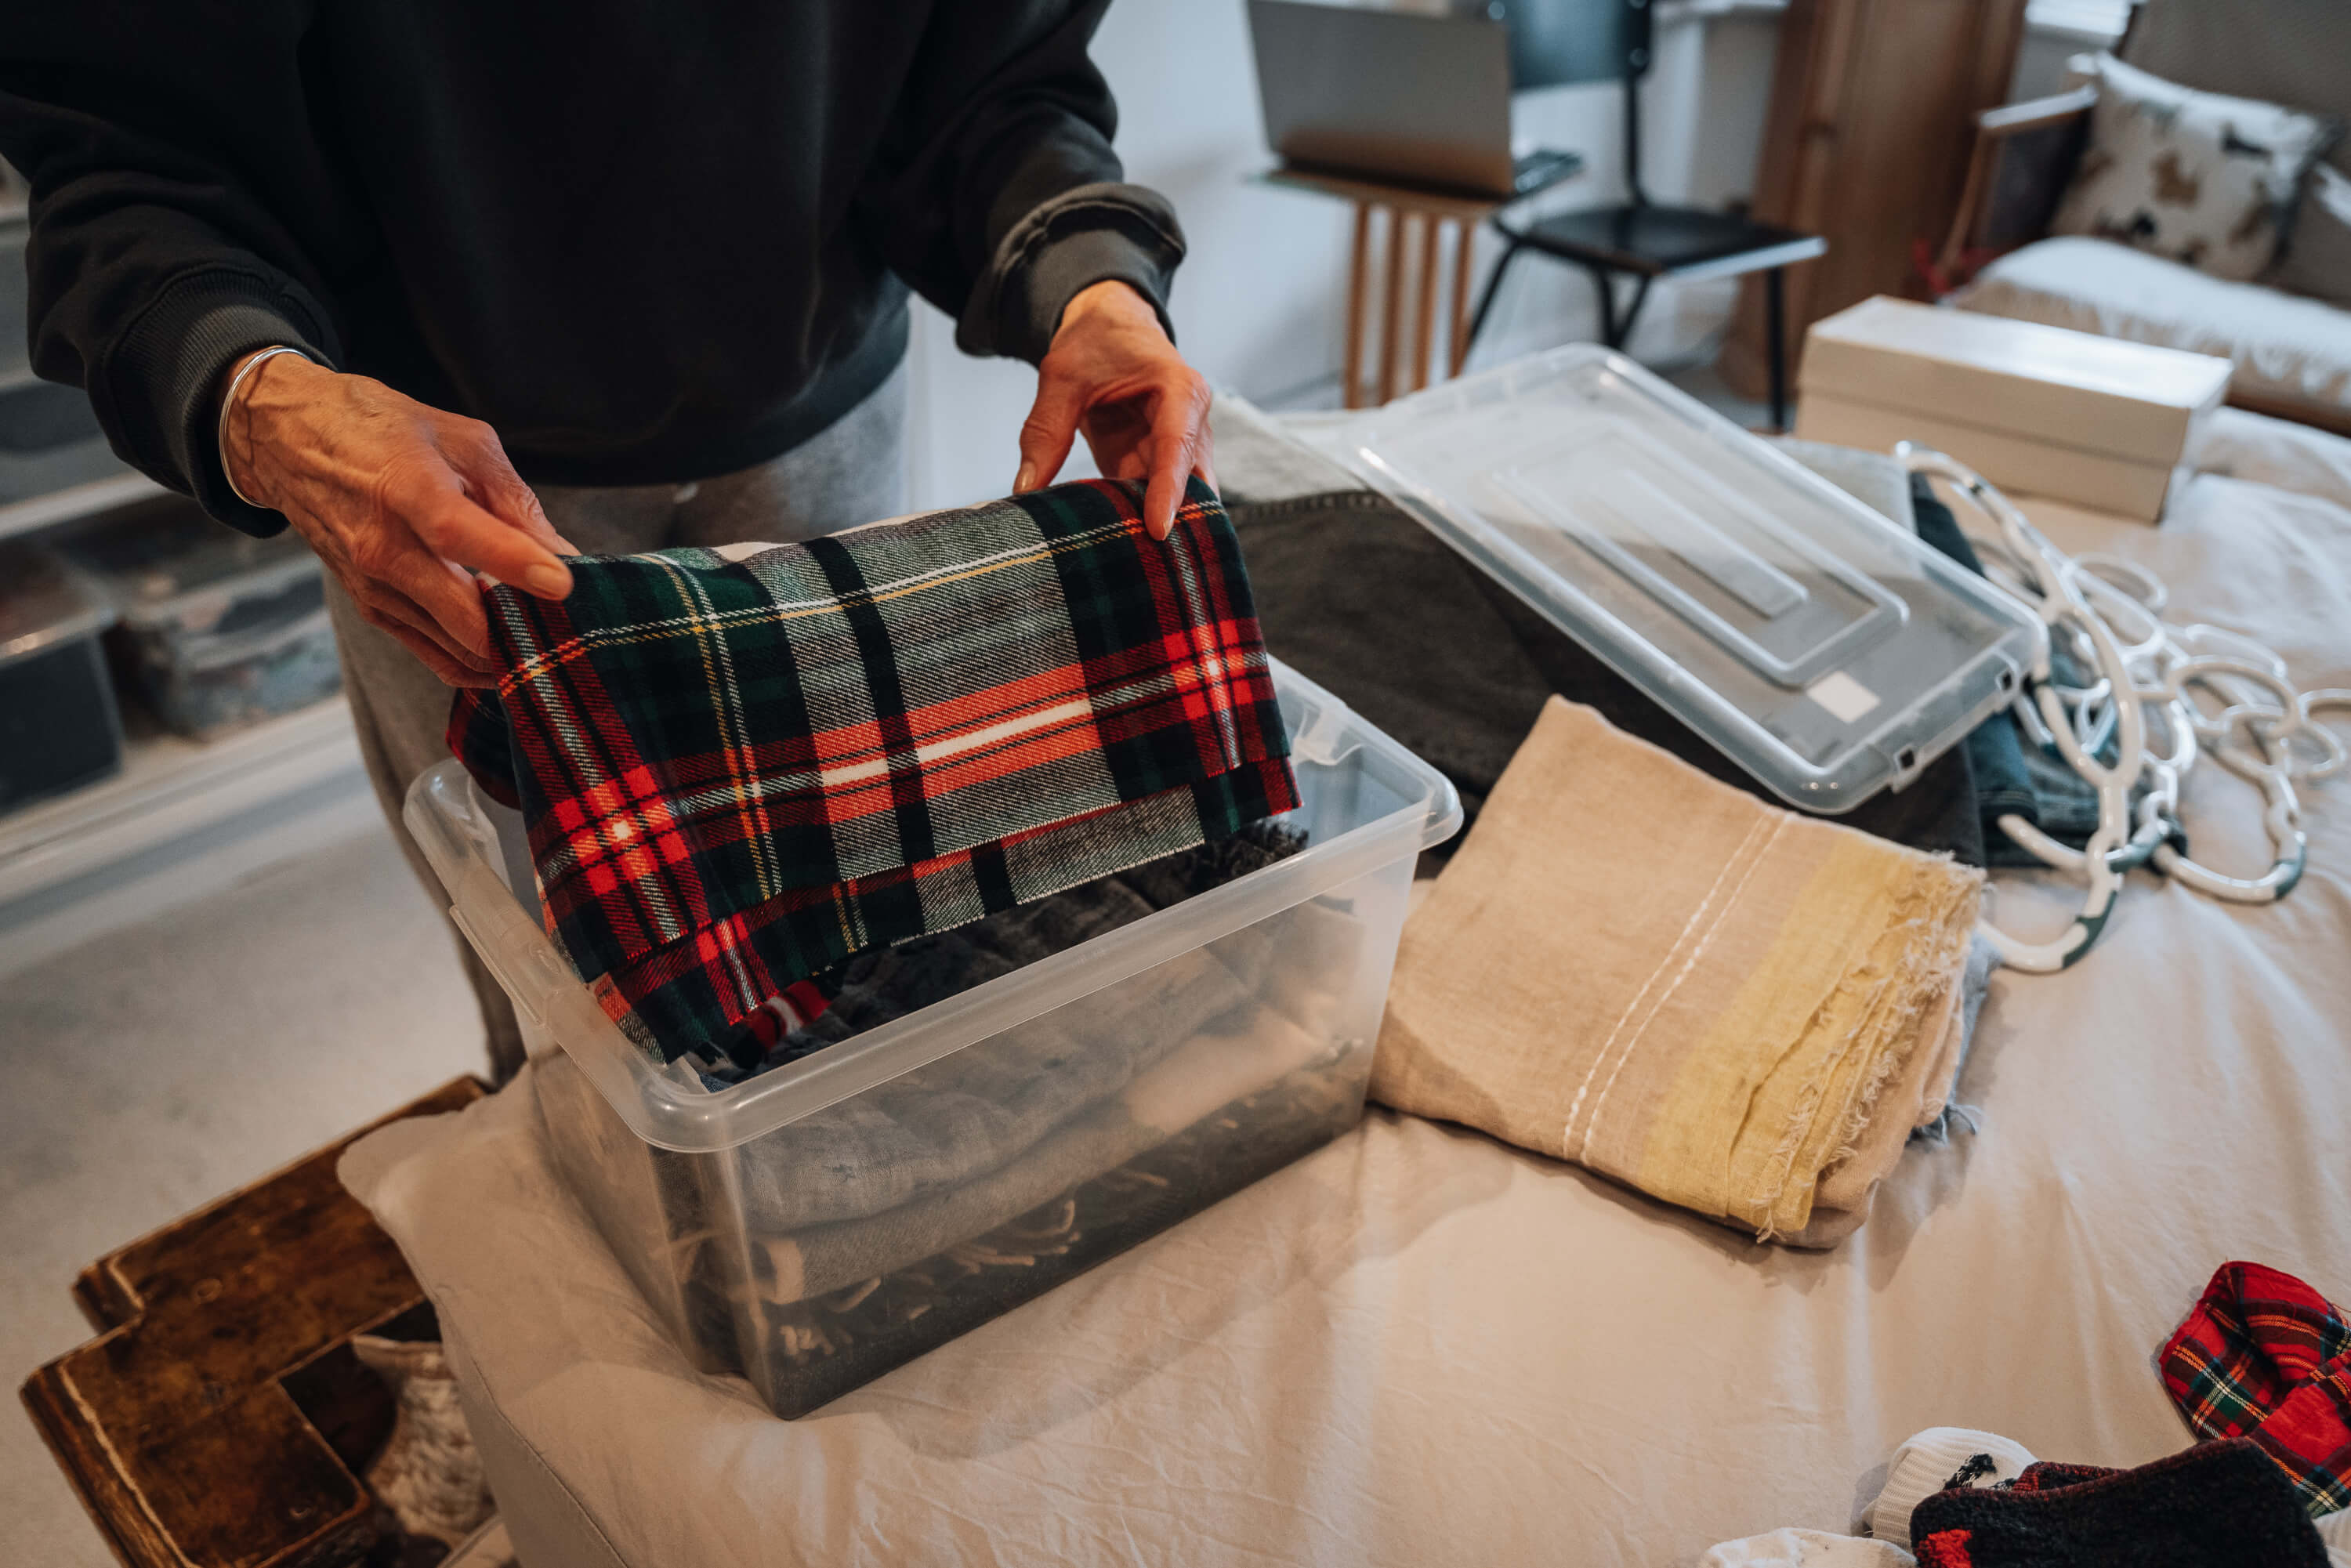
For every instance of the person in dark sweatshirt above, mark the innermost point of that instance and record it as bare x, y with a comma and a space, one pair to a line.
458, 286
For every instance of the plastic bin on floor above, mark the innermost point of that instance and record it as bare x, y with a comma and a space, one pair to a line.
59, 729
1276, 982
219, 629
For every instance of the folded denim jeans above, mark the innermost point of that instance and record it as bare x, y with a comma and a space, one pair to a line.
739, 767
2012, 776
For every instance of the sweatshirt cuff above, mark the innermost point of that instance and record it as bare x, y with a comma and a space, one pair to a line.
167, 373
1087, 235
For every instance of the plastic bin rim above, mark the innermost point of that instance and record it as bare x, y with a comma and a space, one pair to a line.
671, 1116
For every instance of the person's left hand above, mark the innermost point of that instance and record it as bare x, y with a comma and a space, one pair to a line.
1112, 373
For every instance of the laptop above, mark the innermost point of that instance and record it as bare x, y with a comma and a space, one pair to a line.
1404, 98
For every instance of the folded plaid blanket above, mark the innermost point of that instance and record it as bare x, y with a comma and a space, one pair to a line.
739, 767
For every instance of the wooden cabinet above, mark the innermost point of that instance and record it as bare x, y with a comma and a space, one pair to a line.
1867, 144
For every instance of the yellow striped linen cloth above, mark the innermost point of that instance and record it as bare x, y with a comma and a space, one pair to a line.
1728, 1006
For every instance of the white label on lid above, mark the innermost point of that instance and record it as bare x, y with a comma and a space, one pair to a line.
1842, 696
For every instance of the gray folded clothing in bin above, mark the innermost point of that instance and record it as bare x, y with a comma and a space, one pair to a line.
881, 986
1201, 1077
936, 1128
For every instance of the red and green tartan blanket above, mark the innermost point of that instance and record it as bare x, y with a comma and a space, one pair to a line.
739, 767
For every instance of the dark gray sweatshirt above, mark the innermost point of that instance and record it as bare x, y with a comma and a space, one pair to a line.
647, 242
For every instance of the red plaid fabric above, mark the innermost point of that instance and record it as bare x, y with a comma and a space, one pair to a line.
2264, 1356
739, 767
1948, 1549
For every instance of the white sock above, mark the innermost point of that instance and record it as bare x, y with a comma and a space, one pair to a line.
1811, 1548
1937, 1458
2334, 1529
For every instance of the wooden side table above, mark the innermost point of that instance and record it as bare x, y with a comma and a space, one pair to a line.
220, 1420
1415, 219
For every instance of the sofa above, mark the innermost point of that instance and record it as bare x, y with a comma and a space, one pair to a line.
2289, 332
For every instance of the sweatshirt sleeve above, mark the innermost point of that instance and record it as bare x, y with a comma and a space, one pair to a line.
152, 265
997, 196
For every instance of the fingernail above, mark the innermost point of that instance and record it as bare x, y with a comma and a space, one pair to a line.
1024, 481
550, 582
567, 546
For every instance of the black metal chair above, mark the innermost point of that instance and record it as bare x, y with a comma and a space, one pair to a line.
1646, 241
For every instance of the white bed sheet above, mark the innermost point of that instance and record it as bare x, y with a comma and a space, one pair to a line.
1419, 1346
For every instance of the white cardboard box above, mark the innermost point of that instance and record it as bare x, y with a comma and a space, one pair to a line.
2096, 421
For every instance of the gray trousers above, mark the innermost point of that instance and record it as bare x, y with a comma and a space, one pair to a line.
852, 472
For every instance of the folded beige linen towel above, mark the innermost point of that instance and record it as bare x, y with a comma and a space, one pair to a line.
1728, 1006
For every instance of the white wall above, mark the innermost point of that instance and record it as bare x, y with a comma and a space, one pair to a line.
2055, 31
1258, 301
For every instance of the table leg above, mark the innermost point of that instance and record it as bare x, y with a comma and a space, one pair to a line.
1464, 255
1424, 316
1775, 328
1392, 316
1352, 389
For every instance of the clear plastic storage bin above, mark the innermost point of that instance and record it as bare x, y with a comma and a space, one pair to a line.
59, 729
219, 628
1820, 647
1272, 987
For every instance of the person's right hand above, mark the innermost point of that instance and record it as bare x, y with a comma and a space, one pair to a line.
398, 499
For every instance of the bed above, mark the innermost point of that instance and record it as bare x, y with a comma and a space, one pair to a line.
1422, 1346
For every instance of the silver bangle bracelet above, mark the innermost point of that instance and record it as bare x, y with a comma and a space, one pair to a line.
229, 400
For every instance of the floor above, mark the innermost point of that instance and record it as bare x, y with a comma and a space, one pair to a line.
163, 1065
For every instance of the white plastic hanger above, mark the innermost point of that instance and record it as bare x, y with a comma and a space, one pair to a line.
2192, 690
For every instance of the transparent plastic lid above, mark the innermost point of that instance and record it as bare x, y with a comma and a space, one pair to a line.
1821, 648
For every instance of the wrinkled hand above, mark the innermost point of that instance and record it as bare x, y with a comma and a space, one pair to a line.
398, 499
1112, 373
